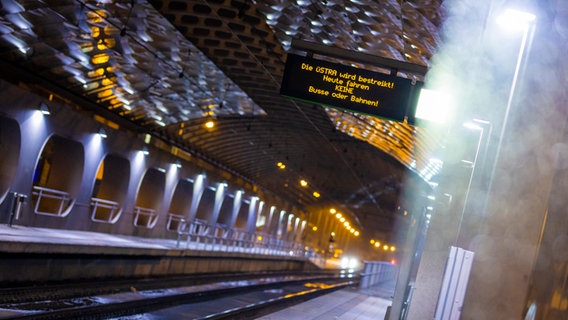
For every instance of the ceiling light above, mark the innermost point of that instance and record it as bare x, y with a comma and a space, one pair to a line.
515, 19
332, 211
338, 215
303, 183
316, 194
209, 124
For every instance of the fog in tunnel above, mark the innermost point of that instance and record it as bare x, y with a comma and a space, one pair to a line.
503, 150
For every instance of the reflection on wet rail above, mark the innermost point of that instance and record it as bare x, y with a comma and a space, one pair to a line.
203, 300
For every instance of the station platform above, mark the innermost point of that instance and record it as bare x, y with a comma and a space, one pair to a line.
346, 304
350, 303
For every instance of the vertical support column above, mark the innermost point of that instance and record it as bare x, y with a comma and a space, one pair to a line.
268, 225
253, 211
280, 224
237, 202
219, 198
198, 188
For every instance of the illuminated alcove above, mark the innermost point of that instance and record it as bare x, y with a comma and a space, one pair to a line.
241, 221
110, 189
180, 204
57, 177
206, 204
226, 211
149, 198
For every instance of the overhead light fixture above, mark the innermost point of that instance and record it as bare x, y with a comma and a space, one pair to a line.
316, 194
515, 19
435, 106
209, 124
303, 183
44, 109
281, 165
332, 211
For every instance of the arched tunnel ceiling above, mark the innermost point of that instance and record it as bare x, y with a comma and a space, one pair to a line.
167, 66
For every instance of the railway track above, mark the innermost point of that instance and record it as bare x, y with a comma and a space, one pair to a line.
227, 296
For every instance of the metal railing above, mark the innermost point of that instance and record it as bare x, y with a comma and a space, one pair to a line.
51, 202
197, 234
175, 222
105, 211
145, 217
376, 272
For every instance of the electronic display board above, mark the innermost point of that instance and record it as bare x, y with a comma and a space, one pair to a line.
345, 87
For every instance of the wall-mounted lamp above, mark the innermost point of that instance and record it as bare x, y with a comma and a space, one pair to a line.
44, 109
102, 133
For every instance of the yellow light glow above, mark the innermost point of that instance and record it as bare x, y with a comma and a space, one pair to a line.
303, 183
315, 228
100, 58
105, 93
377, 244
316, 194
372, 241
385, 247
107, 82
281, 165
393, 248
342, 219
332, 211
346, 223
209, 124
356, 233
338, 215
352, 230
259, 238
